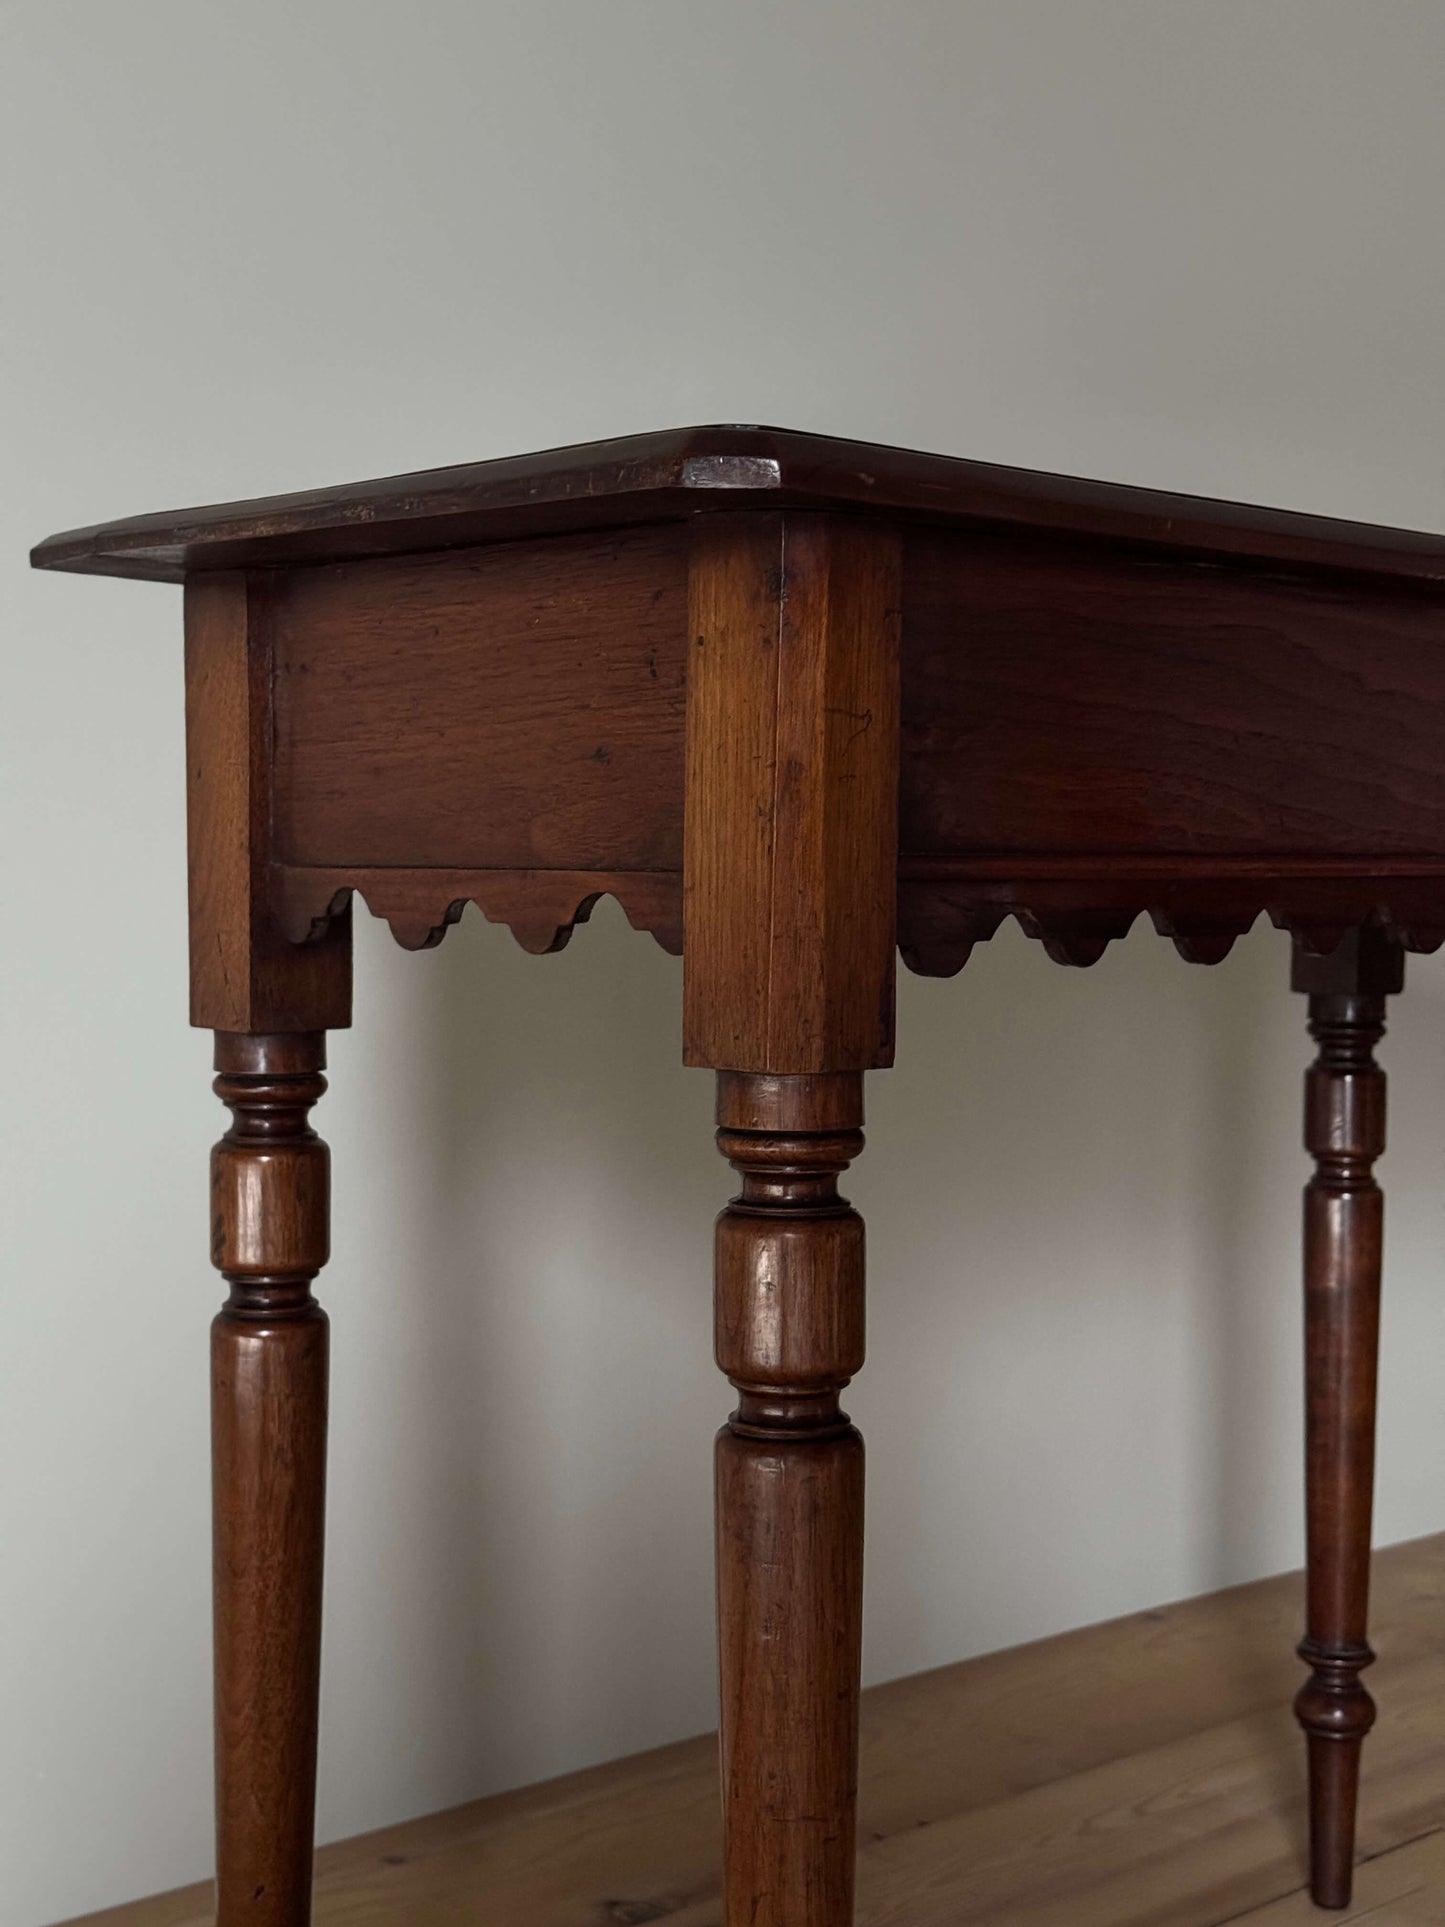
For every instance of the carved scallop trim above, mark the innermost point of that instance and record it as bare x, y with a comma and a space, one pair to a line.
940, 918
541, 908
1076, 919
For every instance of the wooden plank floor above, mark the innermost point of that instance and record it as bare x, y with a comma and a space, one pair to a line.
1145, 1773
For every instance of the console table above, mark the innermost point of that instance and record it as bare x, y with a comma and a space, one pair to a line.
798, 704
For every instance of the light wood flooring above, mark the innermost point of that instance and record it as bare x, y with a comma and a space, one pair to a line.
1144, 1773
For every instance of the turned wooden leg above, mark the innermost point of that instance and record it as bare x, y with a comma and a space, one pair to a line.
269, 1188
789, 1499
1343, 1224
791, 868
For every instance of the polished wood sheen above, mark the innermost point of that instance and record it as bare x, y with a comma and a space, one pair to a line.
1127, 705
1343, 1238
792, 779
800, 705
788, 972
514, 707
270, 1198
245, 975
789, 1313
684, 472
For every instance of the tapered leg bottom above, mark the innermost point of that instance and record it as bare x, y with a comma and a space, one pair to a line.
790, 1544
269, 1467
269, 1347
789, 1501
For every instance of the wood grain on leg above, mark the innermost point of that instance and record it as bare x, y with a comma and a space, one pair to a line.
790, 919
791, 831
270, 1003
790, 1500
1343, 1232
270, 1193
245, 976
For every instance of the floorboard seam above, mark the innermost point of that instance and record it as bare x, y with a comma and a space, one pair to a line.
1365, 1860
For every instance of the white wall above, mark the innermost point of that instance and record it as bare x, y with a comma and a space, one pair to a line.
259, 247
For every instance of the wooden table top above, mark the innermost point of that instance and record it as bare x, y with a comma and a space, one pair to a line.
679, 472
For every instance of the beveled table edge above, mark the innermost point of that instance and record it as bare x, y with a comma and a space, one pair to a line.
674, 473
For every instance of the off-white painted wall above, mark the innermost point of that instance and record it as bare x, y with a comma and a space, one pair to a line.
258, 247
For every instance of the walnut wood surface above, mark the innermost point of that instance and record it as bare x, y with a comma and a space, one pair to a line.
540, 907
679, 472
245, 976
1086, 737
1076, 909
1084, 702
519, 707
1090, 735
792, 784
1112, 705
270, 1190
789, 1336
1343, 1238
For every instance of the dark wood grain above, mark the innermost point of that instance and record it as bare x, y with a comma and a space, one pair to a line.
679, 472
516, 707
791, 847
1090, 733
792, 783
245, 976
1077, 907
1082, 702
789, 1323
1343, 1240
270, 1191
540, 907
